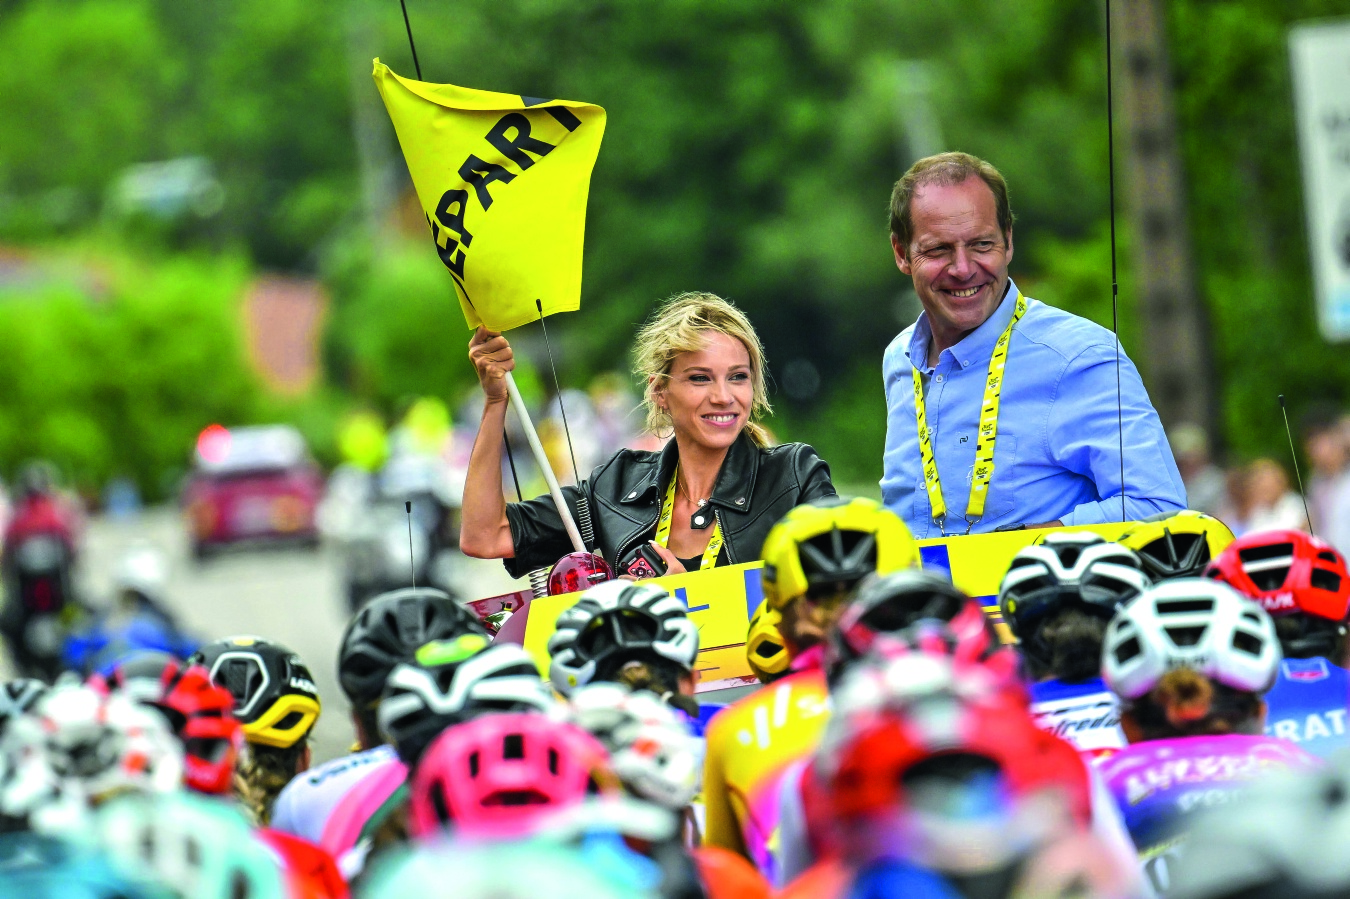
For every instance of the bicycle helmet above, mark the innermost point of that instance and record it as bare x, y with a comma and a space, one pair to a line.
1075, 570
1287, 572
1178, 545
512, 870
1283, 838
201, 716
78, 745
388, 630
194, 846
916, 708
18, 696
450, 681
497, 776
36, 866
765, 651
274, 694
650, 746
1192, 623
138, 675
888, 604
830, 544
616, 622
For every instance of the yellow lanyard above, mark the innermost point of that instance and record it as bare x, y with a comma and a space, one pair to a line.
714, 548
984, 446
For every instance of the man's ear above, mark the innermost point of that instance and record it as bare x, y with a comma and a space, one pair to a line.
901, 255
1007, 239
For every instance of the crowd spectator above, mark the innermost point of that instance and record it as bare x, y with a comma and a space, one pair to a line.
1205, 483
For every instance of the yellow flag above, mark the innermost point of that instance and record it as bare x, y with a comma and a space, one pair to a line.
503, 180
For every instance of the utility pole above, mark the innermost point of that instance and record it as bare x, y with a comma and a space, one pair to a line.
1176, 358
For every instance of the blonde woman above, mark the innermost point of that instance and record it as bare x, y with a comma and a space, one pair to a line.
708, 498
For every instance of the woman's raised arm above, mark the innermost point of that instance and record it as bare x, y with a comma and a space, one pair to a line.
484, 531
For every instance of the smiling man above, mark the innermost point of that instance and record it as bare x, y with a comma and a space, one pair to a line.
1001, 410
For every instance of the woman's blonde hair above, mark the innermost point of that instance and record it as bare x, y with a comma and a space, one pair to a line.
681, 325
260, 774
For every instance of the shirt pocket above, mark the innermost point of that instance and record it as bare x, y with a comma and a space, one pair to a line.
1001, 506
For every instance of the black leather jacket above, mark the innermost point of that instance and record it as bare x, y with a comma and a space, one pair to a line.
754, 489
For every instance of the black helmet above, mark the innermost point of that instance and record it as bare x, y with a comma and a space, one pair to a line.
889, 604
388, 630
274, 694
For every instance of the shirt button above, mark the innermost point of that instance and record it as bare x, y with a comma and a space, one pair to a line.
939, 379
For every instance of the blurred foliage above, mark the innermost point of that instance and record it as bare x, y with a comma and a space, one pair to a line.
118, 377
751, 150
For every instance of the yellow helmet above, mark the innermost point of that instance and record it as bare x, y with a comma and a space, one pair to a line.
1180, 545
764, 647
274, 694
833, 540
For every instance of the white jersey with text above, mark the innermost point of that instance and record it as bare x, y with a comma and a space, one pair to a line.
1086, 714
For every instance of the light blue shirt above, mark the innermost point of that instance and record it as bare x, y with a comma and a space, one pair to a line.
1058, 450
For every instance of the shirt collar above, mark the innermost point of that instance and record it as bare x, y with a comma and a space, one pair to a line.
973, 349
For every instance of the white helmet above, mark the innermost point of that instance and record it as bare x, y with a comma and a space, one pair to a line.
78, 744
142, 569
1192, 623
652, 749
615, 621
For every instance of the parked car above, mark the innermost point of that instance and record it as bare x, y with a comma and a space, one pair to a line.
251, 484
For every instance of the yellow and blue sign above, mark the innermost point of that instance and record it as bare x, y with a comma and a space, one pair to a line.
722, 600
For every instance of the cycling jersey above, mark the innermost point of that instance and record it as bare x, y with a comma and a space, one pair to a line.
1086, 714
751, 744
1307, 705
331, 804
1160, 784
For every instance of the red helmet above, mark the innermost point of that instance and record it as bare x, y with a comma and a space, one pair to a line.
1286, 572
202, 717
921, 707
497, 775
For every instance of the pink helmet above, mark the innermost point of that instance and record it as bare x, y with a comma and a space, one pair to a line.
498, 775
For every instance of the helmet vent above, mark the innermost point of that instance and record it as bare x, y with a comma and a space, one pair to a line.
1325, 580
239, 885
1245, 642
474, 760
1127, 650
1182, 606
291, 719
553, 761
767, 649
1068, 555
1186, 636
513, 746
1328, 556
1267, 566
1251, 616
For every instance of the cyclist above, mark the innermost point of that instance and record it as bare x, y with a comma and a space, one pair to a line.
1057, 599
938, 783
1178, 545
276, 702
1190, 660
634, 634
1304, 585
385, 632
813, 558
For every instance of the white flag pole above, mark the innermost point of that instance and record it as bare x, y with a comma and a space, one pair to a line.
518, 403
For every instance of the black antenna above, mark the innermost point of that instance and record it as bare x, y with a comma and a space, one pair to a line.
511, 460
412, 559
1284, 410
583, 506
408, 25
576, 472
1115, 285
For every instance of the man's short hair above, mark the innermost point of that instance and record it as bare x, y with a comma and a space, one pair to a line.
946, 169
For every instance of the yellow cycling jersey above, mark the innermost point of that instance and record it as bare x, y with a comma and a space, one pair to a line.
751, 744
